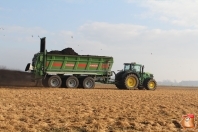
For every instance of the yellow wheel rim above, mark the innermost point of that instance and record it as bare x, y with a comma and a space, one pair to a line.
151, 84
131, 82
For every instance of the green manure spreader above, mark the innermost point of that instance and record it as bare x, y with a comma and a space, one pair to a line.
68, 69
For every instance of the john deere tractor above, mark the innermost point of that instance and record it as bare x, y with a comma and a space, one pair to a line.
133, 77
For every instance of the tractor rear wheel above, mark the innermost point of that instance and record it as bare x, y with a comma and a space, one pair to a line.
119, 80
131, 82
119, 86
54, 81
151, 84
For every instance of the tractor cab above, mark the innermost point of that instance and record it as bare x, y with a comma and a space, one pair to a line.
133, 67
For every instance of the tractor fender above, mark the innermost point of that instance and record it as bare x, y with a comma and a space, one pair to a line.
118, 76
129, 72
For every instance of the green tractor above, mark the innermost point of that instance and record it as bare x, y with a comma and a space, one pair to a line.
133, 76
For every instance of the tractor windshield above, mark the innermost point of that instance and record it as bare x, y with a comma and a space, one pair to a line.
136, 68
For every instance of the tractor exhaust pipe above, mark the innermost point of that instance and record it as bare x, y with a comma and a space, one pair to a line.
43, 50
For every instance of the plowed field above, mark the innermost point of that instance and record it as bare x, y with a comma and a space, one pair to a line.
104, 108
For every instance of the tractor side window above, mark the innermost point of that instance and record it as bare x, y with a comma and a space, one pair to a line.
126, 67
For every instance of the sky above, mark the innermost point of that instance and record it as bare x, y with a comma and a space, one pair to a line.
160, 34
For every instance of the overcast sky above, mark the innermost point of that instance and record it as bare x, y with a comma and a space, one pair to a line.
161, 34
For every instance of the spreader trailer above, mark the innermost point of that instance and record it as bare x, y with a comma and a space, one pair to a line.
82, 71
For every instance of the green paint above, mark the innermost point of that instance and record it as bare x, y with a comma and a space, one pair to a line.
69, 63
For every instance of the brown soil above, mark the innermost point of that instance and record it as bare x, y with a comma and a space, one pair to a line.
104, 108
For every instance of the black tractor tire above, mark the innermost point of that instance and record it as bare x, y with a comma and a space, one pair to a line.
88, 83
54, 81
72, 82
131, 82
151, 84
118, 76
119, 86
118, 79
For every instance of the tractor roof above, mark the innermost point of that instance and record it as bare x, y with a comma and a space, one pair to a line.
132, 63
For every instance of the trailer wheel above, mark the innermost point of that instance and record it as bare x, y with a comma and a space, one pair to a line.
80, 85
54, 81
72, 82
88, 83
45, 82
63, 84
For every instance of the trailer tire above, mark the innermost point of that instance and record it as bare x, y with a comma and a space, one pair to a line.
54, 81
45, 82
72, 82
80, 85
88, 83
63, 84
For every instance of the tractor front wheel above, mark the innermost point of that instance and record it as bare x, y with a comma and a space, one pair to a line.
151, 84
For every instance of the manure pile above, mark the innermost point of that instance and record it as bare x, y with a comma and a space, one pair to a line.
66, 51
